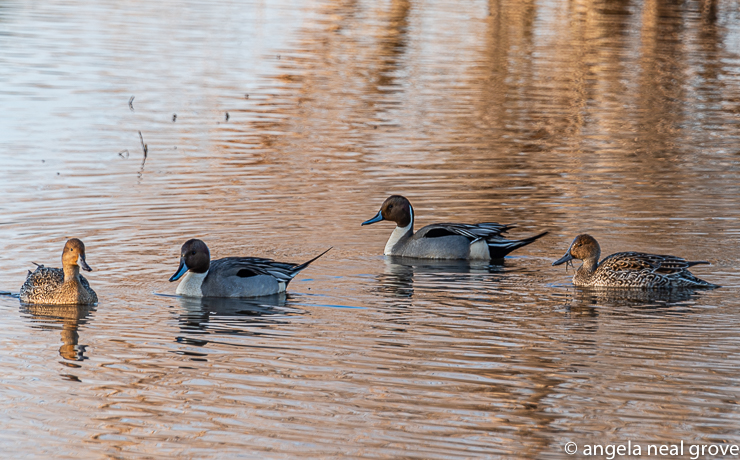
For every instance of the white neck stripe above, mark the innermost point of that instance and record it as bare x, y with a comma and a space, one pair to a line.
398, 233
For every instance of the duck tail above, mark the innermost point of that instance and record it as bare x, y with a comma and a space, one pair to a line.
697, 282
306, 264
697, 262
499, 248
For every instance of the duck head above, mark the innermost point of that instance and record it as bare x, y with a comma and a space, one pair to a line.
584, 247
74, 255
194, 257
395, 208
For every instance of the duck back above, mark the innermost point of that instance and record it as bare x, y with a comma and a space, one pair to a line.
641, 270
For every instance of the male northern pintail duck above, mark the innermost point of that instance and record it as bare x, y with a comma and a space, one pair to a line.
443, 241
629, 269
231, 276
61, 286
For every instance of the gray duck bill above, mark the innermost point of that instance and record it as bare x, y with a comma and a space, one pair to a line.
83, 264
563, 259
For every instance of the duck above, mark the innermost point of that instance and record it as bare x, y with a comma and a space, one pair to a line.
629, 269
231, 276
61, 286
483, 241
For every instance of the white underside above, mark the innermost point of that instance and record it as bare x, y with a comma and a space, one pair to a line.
479, 250
397, 234
191, 283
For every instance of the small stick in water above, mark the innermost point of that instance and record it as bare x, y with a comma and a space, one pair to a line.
174, 117
144, 147
120, 154
131, 103
227, 116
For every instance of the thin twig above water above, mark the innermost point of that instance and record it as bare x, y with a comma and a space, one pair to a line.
145, 148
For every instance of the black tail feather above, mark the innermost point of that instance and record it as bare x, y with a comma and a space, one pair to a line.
300, 267
306, 264
697, 262
500, 248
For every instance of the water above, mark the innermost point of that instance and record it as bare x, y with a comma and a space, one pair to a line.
615, 118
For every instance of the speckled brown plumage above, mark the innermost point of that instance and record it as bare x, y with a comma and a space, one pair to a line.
46, 286
629, 269
61, 286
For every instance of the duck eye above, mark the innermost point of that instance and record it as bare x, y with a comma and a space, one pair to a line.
390, 206
193, 253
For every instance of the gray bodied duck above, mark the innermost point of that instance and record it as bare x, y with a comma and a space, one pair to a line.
482, 241
61, 286
231, 276
629, 269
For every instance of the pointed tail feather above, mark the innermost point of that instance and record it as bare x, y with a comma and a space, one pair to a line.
300, 267
698, 282
500, 248
306, 264
697, 262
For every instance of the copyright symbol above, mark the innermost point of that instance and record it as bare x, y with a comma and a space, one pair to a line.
571, 448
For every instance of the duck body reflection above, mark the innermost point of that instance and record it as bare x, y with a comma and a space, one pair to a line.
401, 273
69, 317
636, 297
223, 315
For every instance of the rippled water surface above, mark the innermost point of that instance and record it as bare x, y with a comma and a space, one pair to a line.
274, 129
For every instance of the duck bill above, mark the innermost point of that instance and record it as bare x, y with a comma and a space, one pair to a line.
567, 257
181, 270
83, 265
378, 217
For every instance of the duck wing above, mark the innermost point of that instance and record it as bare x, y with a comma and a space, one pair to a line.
245, 267
657, 263
473, 232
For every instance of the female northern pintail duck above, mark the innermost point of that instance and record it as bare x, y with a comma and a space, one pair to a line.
629, 269
231, 276
443, 241
65, 286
